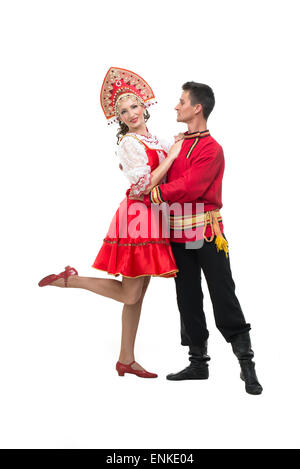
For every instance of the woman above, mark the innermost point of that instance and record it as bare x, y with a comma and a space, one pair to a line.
126, 250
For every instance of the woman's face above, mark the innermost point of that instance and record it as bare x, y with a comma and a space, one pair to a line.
131, 112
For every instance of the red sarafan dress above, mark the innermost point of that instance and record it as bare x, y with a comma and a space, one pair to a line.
137, 243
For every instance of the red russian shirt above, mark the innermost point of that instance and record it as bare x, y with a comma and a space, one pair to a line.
195, 176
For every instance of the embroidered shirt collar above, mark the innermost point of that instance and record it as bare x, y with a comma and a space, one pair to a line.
150, 139
203, 133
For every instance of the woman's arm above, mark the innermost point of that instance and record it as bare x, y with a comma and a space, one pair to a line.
163, 168
134, 164
159, 172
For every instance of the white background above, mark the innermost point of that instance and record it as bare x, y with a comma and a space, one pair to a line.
60, 186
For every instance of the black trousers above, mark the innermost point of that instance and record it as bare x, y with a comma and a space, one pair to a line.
215, 265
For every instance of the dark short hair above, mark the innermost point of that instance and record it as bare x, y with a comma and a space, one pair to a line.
200, 94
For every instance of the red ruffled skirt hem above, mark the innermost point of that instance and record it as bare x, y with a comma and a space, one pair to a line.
151, 258
145, 254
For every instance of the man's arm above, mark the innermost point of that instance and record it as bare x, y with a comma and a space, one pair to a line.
194, 182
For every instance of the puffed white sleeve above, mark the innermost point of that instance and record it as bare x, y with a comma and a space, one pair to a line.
134, 161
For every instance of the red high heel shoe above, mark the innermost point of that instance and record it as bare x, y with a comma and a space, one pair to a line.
122, 369
65, 275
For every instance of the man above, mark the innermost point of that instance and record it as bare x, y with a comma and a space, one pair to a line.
196, 178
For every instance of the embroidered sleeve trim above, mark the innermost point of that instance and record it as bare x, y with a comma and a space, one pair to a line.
155, 196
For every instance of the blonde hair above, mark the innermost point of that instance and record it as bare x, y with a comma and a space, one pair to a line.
127, 95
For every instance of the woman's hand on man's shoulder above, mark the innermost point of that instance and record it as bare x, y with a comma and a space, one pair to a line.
178, 137
175, 149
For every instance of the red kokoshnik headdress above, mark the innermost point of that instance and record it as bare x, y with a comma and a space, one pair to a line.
119, 81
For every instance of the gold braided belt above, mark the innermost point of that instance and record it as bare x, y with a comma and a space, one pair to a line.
212, 218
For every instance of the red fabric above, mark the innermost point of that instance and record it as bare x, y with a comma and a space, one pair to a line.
195, 179
134, 223
198, 178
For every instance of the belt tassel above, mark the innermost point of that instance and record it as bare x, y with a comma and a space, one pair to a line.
220, 242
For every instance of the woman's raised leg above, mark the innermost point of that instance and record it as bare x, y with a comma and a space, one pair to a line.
127, 291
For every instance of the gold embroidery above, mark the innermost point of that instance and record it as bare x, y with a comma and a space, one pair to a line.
155, 196
183, 221
118, 81
204, 133
137, 244
192, 147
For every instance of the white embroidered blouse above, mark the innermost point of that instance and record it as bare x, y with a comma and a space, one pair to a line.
134, 159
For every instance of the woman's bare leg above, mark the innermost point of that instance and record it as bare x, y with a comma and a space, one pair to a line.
130, 321
126, 291
132, 290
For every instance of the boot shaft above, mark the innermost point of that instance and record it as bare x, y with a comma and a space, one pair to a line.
241, 346
198, 354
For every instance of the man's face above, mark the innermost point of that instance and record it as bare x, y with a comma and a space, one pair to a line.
185, 110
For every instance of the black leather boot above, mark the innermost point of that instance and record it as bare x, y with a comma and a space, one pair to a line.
241, 346
198, 369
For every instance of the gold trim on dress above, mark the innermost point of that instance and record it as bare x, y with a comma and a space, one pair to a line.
137, 244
